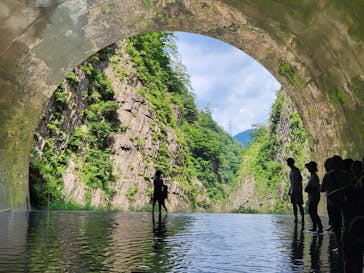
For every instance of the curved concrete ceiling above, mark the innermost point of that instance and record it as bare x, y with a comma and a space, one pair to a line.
314, 48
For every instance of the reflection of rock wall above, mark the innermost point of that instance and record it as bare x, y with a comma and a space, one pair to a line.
13, 238
41, 41
52, 241
4, 197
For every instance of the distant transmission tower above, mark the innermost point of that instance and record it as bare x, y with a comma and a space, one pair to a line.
230, 128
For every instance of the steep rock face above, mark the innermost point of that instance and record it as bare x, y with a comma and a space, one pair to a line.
132, 149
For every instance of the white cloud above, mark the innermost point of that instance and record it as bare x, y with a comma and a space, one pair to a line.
239, 90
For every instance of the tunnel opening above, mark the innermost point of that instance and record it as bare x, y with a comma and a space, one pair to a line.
98, 132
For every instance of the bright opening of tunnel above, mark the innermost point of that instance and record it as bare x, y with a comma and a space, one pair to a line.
127, 111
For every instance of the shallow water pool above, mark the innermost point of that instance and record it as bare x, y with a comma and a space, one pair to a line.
61, 241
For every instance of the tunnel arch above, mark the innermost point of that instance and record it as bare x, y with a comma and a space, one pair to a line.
313, 49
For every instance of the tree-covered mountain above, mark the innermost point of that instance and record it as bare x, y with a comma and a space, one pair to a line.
245, 137
117, 118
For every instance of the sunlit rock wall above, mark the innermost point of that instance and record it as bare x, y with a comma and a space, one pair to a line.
314, 48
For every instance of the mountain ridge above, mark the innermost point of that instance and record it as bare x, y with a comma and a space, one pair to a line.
245, 137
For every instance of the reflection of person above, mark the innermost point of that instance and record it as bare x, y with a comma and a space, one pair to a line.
295, 190
315, 250
159, 193
159, 228
313, 190
159, 246
298, 244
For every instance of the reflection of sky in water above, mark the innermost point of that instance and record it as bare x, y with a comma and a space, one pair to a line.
126, 242
232, 242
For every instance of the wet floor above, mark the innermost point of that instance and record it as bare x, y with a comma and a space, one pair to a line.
133, 242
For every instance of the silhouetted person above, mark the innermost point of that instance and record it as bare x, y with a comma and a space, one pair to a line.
313, 190
334, 183
158, 194
347, 163
352, 209
356, 172
295, 189
164, 197
328, 169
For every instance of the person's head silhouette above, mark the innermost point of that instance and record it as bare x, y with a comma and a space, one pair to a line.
311, 166
290, 162
337, 163
158, 173
328, 165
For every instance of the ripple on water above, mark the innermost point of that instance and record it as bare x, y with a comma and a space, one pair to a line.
126, 242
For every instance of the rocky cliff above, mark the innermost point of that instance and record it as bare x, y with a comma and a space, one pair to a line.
126, 112
110, 124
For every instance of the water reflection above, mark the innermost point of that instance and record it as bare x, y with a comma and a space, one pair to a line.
298, 242
161, 259
315, 250
61, 241
333, 256
135, 242
13, 239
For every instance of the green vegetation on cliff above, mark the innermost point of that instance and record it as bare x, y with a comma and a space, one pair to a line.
205, 152
90, 141
264, 159
211, 154
83, 121
215, 156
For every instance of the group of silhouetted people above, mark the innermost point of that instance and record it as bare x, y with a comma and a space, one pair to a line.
343, 184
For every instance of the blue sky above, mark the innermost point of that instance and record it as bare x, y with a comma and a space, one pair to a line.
238, 90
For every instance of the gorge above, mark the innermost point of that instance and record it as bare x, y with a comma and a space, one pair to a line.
126, 112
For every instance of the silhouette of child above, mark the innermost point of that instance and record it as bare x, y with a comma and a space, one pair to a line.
159, 193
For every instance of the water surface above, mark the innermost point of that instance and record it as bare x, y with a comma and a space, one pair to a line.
133, 242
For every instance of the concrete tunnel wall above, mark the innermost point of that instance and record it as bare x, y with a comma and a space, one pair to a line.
314, 48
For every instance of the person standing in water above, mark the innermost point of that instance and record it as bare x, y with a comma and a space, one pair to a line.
329, 205
313, 190
334, 184
295, 189
158, 192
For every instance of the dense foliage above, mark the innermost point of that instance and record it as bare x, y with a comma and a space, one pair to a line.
100, 121
212, 155
205, 151
265, 158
